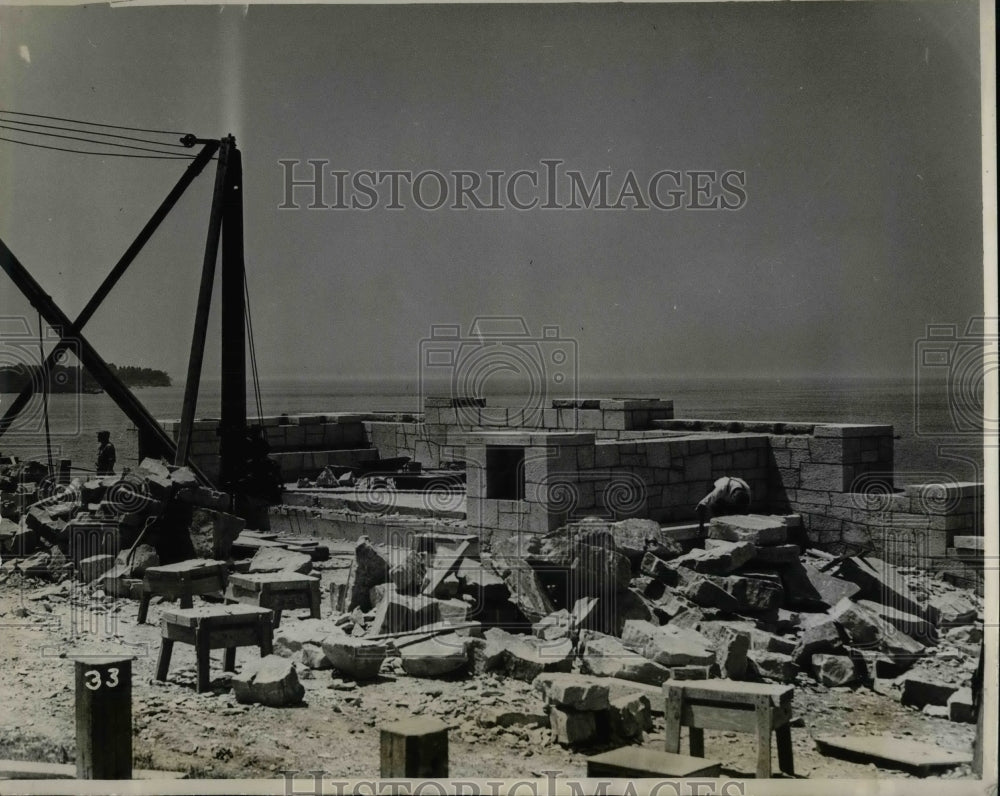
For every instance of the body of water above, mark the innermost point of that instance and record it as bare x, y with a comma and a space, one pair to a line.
933, 424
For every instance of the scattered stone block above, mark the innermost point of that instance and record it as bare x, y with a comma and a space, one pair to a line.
921, 688
734, 593
719, 559
629, 717
772, 666
731, 646
572, 728
666, 645
630, 762
453, 611
914, 626
951, 610
833, 670
526, 589
135, 565
754, 528
960, 706
777, 554
554, 626
277, 559
821, 636
369, 570
357, 658
635, 537
526, 657
94, 567
435, 657
866, 630
271, 681
574, 691
807, 587
606, 656
658, 569
313, 657
398, 613
880, 582
889, 752
289, 637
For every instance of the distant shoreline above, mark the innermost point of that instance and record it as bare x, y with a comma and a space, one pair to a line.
72, 379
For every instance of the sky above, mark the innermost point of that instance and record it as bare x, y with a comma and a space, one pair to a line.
855, 126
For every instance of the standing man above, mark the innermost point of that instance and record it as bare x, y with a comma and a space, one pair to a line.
105, 454
730, 496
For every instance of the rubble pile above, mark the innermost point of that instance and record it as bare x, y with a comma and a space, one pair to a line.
108, 530
597, 605
596, 616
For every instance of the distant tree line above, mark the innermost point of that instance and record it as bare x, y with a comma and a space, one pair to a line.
73, 378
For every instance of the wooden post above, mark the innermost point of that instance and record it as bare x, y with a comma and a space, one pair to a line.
416, 747
104, 717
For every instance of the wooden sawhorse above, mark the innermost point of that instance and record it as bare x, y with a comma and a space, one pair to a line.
758, 708
181, 580
212, 627
276, 590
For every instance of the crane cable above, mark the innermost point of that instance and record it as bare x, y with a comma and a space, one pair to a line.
253, 357
45, 397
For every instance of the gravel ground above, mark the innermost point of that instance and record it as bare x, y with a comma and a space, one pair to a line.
210, 735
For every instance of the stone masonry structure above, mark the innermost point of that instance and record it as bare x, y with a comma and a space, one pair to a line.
533, 471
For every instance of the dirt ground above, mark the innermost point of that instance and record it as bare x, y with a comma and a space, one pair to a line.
210, 735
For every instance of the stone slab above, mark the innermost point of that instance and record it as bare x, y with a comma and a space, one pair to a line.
638, 761
892, 752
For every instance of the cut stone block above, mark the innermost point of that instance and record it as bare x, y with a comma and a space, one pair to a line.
960, 706
667, 645
880, 582
924, 688
720, 559
606, 656
289, 637
271, 681
435, 657
555, 625
916, 627
755, 528
572, 728
777, 554
833, 670
277, 559
772, 666
951, 610
573, 691
866, 630
358, 658
629, 717
639, 761
807, 587
892, 752
369, 570
822, 636
94, 567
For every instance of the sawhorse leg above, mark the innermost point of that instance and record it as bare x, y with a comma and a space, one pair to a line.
783, 736
763, 711
672, 714
163, 663
203, 655
144, 606
229, 660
